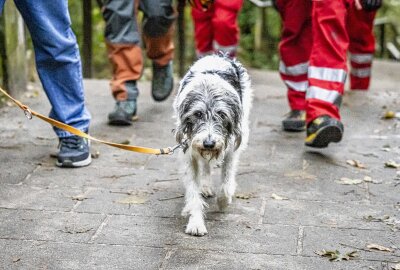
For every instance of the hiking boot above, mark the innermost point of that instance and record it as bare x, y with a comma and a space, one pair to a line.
295, 121
74, 152
163, 82
124, 112
324, 130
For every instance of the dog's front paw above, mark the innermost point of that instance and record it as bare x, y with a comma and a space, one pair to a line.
223, 202
207, 191
196, 227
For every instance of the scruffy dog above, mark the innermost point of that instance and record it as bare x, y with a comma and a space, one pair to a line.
212, 109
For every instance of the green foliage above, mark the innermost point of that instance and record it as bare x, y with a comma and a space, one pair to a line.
260, 32
101, 65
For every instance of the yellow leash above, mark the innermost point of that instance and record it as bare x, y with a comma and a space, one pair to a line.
144, 150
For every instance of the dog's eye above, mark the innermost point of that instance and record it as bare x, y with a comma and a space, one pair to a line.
221, 114
198, 114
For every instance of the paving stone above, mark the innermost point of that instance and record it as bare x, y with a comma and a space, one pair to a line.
48, 225
316, 239
39, 198
17, 254
340, 215
210, 259
223, 235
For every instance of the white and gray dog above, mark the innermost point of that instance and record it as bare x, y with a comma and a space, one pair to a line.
212, 110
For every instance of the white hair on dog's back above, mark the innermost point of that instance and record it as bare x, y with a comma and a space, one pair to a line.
212, 110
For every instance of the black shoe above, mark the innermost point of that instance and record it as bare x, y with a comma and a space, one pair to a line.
324, 130
163, 82
296, 121
74, 152
124, 113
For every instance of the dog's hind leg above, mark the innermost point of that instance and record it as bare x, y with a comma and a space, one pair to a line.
194, 203
228, 185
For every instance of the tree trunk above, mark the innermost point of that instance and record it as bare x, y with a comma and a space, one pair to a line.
13, 67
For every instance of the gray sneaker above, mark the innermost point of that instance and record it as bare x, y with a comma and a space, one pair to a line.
163, 82
74, 152
124, 112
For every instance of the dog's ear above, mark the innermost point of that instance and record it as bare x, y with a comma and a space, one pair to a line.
237, 131
179, 135
238, 141
185, 80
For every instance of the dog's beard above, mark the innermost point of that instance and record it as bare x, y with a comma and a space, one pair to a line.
209, 154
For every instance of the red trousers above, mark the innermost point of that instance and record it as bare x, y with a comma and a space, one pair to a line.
216, 29
315, 40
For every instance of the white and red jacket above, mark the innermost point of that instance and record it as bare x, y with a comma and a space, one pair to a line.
315, 39
216, 28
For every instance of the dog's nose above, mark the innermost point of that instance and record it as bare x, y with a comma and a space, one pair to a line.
208, 143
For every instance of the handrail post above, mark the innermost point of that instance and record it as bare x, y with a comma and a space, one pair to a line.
87, 39
382, 40
181, 37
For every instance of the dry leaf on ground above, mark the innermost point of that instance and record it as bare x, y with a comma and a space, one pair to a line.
355, 163
133, 199
348, 181
396, 267
80, 197
392, 164
277, 197
244, 196
336, 255
369, 179
389, 115
379, 247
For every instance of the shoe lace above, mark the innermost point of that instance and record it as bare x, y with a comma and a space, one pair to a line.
72, 142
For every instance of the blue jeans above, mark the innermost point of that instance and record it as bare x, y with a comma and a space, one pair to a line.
57, 60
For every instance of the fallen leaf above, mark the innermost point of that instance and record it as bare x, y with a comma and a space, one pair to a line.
392, 164
396, 267
244, 196
80, 197
277, 197
356, 163
96, 154
389, 115
336, 255
74, 230
392, 222
348, 181
379, 247
133, 199
301, 174
369, 179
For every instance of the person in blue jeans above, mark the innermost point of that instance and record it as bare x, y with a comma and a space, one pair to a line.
59, 67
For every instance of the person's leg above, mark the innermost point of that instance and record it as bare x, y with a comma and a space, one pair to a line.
360, 26
59, 66
124, 52
203, 29
226, 28
294, 49
2, 5
327, 72
158, 29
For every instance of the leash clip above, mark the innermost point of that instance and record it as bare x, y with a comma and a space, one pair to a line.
27, 113
172, 149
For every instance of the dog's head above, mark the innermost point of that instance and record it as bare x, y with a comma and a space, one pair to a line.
209, 107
